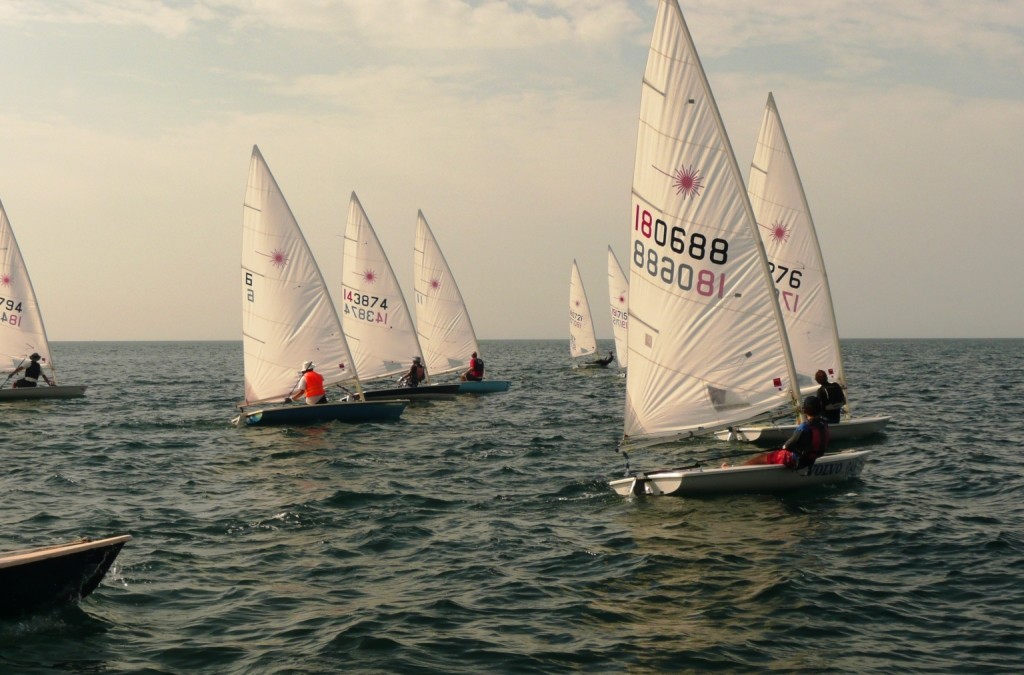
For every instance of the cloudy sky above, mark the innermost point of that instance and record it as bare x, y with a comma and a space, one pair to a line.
126, 128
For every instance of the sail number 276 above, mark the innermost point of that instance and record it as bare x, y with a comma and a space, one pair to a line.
696, 246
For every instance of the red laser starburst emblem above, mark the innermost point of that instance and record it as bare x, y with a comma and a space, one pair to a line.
780, 232
278, 258
688, 182
370, 276
435, 284
5, 280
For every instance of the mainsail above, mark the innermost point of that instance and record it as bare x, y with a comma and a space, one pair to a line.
21, 323
374, 313
582, 338
795, 260
707, 345
618, 301
287, 313
445, 332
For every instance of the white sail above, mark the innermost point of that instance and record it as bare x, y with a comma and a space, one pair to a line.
287, 313
582, 339
795, 260
374, 313
445, 332
21, 323
707, 346
618, 301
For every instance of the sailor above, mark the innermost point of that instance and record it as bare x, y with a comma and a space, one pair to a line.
605, 362
311, 383
33, 372
805, 446
417, 373
476, 370
831, 397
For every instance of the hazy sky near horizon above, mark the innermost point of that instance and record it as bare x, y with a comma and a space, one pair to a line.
126, 128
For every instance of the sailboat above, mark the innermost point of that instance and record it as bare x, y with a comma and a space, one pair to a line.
582, 338
618, 300
51, 576
288, 317
22, 333
707, 346
798, 271
445, 332
375, 316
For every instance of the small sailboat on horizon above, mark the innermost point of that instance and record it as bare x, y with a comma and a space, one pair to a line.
618, 301
582, 336
23, 341
707, 346
288, 317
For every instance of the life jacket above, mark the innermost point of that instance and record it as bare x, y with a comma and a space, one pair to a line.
314, 384
814, 446
421, 374
476, 367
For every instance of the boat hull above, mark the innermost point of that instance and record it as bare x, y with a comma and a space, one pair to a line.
27, 393
776, 434
424, 392
761, 478
47, 577
353, 412
484, 387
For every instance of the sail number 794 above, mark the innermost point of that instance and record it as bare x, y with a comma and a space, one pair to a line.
695, 245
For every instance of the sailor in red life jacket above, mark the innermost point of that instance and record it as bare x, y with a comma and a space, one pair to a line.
476, 370
311, 383
805, 446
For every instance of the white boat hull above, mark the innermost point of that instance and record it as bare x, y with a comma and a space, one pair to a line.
25, 393
776, 434
699, 481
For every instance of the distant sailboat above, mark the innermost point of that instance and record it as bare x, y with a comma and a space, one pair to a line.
582, 337
288, 317
445, 331
798, 270
618, 300
707, 344
375, 316
22, 333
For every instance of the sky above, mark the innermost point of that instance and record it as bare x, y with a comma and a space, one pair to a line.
126, 128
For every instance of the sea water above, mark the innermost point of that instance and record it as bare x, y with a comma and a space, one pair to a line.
480, 535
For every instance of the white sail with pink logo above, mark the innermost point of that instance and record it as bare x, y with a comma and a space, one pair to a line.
445, 331
288, 317
797, 267
22, 333
374, 314
618, 301
707, 346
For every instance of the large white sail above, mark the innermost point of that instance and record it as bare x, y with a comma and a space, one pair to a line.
618, 301
21, 323
287, 313
374, 313
707, 347
582, 339
445, 332
794, 254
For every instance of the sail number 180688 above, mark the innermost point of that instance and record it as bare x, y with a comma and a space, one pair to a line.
696, 246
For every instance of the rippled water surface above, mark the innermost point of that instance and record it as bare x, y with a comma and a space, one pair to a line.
480, 535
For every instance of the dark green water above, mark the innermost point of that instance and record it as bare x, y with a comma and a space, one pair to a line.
480, 535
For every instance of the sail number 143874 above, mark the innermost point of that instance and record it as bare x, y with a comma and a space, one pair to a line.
659, 235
